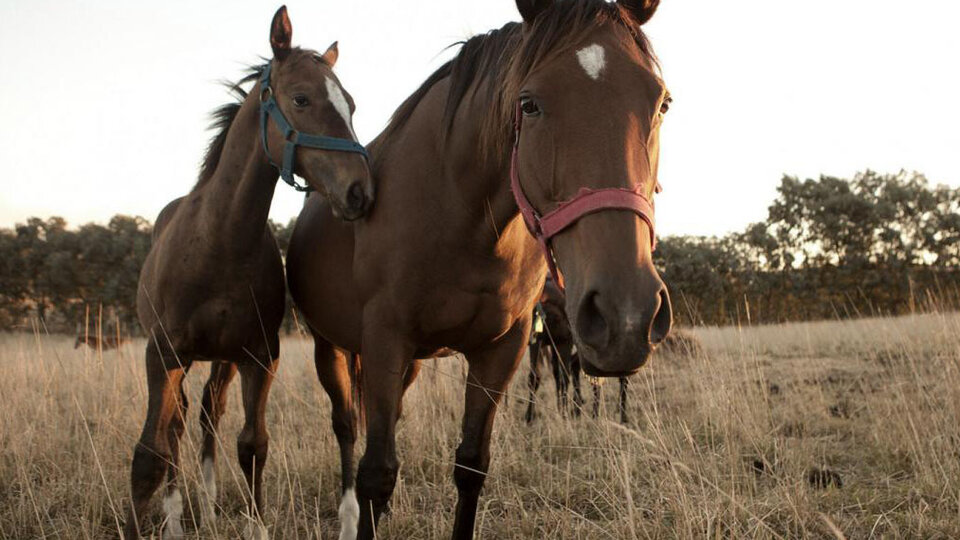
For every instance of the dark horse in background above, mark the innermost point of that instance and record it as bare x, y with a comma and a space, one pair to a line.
554, 343
445, 260
212, 286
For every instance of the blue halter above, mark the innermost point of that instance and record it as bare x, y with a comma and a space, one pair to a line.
293, 138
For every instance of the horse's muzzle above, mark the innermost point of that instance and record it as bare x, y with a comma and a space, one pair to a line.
617, 335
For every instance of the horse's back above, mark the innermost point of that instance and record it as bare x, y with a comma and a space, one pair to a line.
320, 274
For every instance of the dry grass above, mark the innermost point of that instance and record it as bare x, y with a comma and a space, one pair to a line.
722, 444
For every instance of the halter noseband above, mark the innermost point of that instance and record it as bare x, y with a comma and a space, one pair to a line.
586, 201
294, 138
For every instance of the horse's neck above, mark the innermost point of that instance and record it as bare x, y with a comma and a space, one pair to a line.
237, 197
484, 180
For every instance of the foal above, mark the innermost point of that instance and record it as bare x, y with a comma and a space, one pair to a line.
212, 286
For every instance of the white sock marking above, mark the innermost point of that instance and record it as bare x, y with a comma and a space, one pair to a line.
254, 530
339, 101
349, 515
210, 485
173, 508
592, 60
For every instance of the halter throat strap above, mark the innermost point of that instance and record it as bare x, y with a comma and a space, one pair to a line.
586, 201
270, 109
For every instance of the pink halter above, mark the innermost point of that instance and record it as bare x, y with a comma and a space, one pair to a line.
586, 201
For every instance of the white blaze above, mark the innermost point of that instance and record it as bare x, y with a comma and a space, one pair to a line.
349, 515
339, 101
591, 59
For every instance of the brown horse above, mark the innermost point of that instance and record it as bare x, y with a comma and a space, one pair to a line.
445, 260
94, 342
212, 286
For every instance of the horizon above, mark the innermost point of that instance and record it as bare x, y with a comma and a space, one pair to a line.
818, 89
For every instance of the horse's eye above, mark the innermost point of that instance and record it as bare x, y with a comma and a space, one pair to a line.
665, 104
529, 106
300, 100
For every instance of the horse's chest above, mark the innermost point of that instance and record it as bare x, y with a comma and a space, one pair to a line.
456, 318
478, 308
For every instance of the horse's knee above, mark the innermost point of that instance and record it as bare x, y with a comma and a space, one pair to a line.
376, 479
470, 470
252, 447
147, 471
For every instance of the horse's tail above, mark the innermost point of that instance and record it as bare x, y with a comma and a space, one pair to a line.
356, 384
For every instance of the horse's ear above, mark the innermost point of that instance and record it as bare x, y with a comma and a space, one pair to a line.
281, 32
529, 9
330, 56
641, 9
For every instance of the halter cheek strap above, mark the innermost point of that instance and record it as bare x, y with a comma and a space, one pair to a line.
586, 201
294, 138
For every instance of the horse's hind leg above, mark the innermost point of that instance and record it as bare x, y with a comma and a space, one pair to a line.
253, 441
410, 372
172, 499
333, 370
211, 410
624, 382
562, 378
597, 395
533, 381
575, 375
152, 453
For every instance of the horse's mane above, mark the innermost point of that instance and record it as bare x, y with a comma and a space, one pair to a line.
222, 118
501, 60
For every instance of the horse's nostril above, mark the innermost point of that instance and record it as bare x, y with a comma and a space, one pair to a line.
356, 198
662, 319
591, 324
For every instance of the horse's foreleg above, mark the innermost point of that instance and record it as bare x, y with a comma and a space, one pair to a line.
386, 358
153, 454
253, 441
212, 407
488, 378
333, 370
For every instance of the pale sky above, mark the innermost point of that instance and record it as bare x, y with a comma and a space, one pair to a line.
104, 105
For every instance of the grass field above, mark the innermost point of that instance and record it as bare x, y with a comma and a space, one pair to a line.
803, 430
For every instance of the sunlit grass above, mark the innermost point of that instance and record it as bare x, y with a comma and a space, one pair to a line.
721, 444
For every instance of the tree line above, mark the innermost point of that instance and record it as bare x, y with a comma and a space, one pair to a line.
830, 247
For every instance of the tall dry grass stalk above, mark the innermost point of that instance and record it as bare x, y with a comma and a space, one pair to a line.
749, 438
